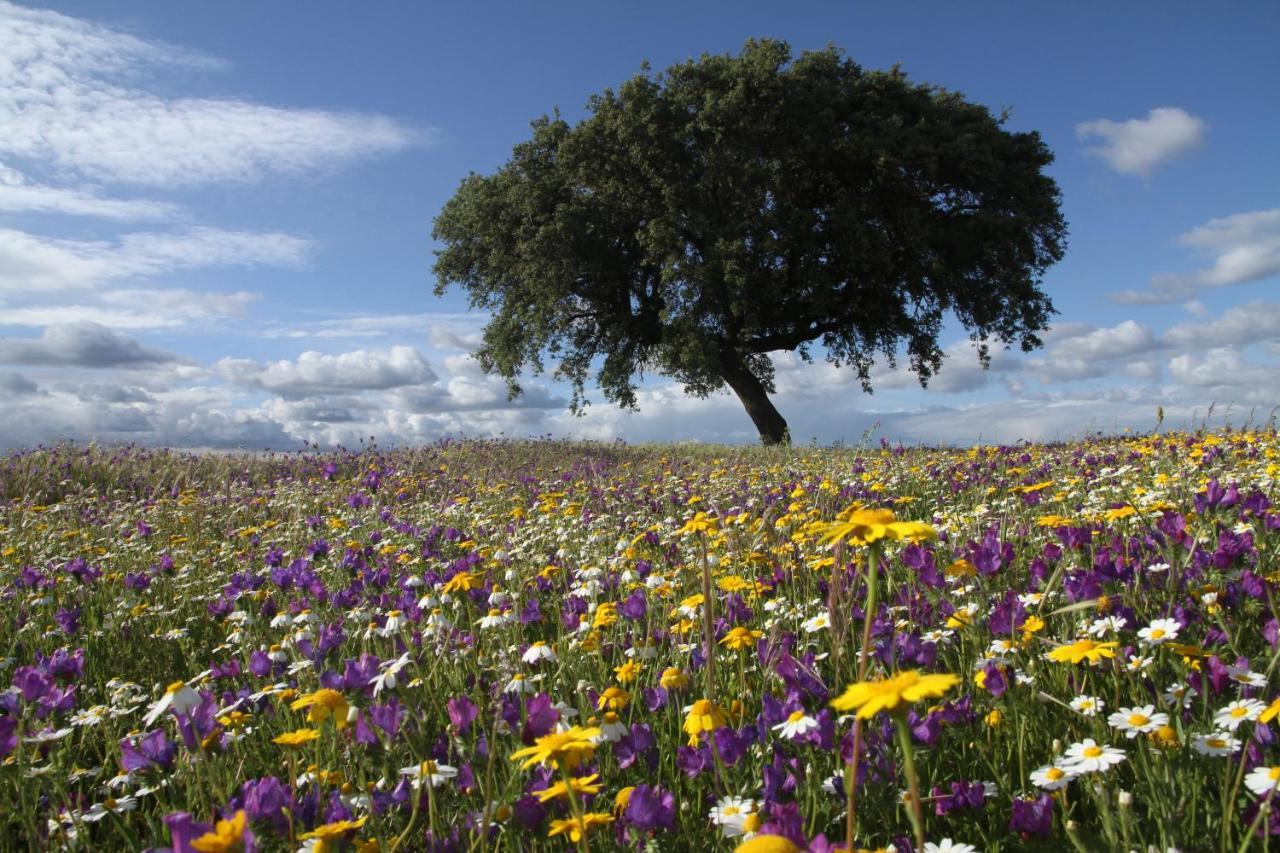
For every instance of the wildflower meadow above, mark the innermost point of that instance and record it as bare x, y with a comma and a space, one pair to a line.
500, 646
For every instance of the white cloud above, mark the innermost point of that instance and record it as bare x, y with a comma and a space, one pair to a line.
1227, 368
16, 385
1085, 352
81, 344
1244, 324
31, 264
315, 373
1141, 145
1245, 247
71, 95
17, 195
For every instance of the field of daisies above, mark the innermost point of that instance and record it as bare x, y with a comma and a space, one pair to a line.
502, 646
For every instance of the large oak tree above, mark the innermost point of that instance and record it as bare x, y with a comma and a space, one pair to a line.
733, 206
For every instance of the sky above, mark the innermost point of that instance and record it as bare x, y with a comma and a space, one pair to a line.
215, 219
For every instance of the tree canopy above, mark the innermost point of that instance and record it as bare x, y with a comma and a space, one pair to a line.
732, 206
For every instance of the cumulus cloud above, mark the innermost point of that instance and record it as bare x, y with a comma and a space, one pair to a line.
455, 336
16, 385
1139, 146
1244, 247
317, 373
1086, 352
81, 344
1226, 367
72, 95
1245, 324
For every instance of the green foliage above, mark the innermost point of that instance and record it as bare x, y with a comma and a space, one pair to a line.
733, 206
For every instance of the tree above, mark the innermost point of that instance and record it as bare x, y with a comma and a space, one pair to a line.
734, 206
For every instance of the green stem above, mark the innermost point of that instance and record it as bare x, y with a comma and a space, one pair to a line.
916, 810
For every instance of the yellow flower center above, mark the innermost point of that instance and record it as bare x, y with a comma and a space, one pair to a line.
1274, 774
796, 716
1138, 720
1216, 742
1157, 633
1239, 712
1055, 773
175, 687
1092, 751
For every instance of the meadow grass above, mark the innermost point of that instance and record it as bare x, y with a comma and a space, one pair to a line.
496, 645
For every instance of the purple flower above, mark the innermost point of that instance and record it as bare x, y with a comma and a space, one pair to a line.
540, 717
266, 799
387, 717
1032, 817
634, 607
8, 735
651, 809
151, 750
183, 829
638, 744
462, 713
33, 683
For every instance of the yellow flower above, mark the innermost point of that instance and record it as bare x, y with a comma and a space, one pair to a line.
893, 694
864, 526
700, 523
1085, 649
606, 615
626, 672
740, 638
673, 678
226, 836
576, 828
324, 703
1272, 710
703, 716
613, 699
623, 799
462, 582
333, 831
581, 785
767, 844
560, 749
296, 738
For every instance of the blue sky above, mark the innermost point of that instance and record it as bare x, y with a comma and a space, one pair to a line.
215, 219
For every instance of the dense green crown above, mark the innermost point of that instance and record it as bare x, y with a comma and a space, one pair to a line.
733, 206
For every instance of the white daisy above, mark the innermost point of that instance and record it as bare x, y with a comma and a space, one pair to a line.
1136, 721
1246, 677
1089, 706
1238, 712
796, 725
539, 651
386, 680
1051, 777
946, 845
178, 696
1216, 744
1263, 780
108, 806
434, 773
730, 814
1159, 631
1088, 757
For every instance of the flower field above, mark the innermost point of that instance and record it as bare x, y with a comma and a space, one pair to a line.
501, 646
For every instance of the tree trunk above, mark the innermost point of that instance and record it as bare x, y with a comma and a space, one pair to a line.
771, 425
